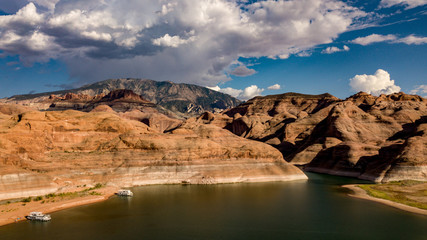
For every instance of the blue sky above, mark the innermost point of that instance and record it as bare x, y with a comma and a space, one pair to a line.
244, 48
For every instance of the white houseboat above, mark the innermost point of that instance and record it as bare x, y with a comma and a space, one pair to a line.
125, 192
38, 216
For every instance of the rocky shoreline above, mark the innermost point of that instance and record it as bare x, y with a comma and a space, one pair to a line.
361, 194
16, 211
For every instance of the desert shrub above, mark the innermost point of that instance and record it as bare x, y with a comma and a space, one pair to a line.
38, 198
25, 200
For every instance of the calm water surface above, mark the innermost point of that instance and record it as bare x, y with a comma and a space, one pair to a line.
313, 209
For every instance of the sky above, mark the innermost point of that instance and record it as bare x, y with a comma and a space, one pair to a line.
243, 48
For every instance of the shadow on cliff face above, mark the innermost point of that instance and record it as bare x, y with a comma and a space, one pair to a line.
337, 159
409, 130
378, 165
280, 134
238, 127
318, 135
334, 158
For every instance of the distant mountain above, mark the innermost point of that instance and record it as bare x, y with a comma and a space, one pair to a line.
182, 99
119, 100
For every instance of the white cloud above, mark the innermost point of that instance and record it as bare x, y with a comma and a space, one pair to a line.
306, 53
284, 56
420, 90
97, 36
412, 39
374, 38
379, 83
407, 3
39, 41
174, 41
230, 91
19, 35
245, 94
390, 38
242, 71
250, 92
330, 50
274, 87
27, 15
196, 41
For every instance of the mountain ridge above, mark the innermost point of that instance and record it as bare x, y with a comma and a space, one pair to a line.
185, 100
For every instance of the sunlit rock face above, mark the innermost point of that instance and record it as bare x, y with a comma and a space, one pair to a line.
41, 152
376, 138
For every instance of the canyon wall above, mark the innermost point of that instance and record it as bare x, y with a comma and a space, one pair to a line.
42, 152
375, 138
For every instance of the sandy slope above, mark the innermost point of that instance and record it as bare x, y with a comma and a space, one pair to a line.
360, 193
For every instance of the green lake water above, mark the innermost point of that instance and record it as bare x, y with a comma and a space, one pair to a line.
313, 209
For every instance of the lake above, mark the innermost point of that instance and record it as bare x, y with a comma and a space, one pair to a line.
313, 209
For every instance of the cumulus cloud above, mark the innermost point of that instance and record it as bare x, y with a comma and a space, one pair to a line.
407, 3
390, 38
242, 71
379, 83
420, 90
250, 92
374, 38
245, 94
274, 87
183, 41
330, 50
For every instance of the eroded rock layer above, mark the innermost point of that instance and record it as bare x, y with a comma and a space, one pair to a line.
42, 152
376, 138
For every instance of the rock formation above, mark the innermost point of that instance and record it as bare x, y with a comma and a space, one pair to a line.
120, 100
41, 152
124, 103
376, 138
180, 100
124, 139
